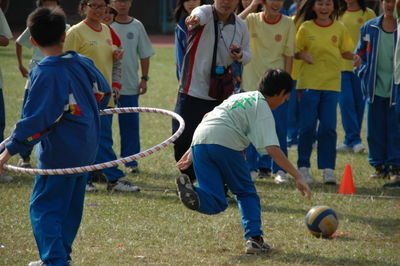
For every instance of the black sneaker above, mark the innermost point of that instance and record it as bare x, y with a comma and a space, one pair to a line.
380, 172
394, 173
186, 193
98, 177
395, 184
264, 172
256, 245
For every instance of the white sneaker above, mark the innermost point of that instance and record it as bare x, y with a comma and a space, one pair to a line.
6, 178
36, 263
254, 175
343, 148
122, 185
281, 177
358, 148
329, 176
305, 172
90, 187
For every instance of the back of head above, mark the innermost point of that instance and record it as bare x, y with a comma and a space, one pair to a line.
47, 26
274, 82
40, 3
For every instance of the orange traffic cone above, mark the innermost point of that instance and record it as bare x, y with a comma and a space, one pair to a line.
347, 184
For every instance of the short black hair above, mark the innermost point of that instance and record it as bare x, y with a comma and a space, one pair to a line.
274, 81
39, 3
46, 25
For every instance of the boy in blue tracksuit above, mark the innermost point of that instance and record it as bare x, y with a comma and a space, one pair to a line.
62, 113
376, 49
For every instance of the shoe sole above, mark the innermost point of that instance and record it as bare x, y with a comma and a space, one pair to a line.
186, 194
330, 183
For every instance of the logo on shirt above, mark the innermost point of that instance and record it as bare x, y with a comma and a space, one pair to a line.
334, 39
360, 20
243, 101
130, 35
278, 37
93, 43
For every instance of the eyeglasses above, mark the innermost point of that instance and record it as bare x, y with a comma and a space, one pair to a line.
95, 7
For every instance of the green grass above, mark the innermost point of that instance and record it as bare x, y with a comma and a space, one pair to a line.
153, 228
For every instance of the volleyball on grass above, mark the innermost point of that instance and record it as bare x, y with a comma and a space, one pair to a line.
321, 221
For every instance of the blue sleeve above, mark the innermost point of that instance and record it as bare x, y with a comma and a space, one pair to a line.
45, 104
361, 50
180, 45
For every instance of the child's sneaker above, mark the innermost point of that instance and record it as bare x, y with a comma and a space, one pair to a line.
90, 187
329, 176
343, 148
358, 148
380, 172
394, 173
264, 172
186, 193
122, 185
254, 175
134, 169
307, 177
36, 263
395, 184
256, 245
281, 177
98, 177
24, 162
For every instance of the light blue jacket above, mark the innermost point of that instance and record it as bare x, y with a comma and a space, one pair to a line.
367, 49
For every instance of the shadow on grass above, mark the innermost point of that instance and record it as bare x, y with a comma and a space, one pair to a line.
278, 256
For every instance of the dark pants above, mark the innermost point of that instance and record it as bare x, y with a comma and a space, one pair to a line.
192, 111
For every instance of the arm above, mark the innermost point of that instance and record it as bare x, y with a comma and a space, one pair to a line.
4, 41
185, 161
18, 52
252, 8
279, 157
288, 63
144, 65
350, 56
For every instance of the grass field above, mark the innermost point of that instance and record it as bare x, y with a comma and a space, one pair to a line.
153, 228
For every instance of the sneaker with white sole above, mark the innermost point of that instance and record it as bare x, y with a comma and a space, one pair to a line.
122, 185
343, 148
281, 177
6, 178
255, 245
186, 193
24, 162
133, 169
36, 263
254, 175
307, 177
264, 172
90, 187
358, 148
329, 176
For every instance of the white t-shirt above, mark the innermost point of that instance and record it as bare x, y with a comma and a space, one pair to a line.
241, 119
136, 45
6, 32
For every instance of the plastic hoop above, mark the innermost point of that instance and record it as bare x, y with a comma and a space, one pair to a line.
109, 164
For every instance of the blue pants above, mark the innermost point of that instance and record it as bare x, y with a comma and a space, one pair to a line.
351, 107
383, 133
129, 127
293, 118
105, 153
56, 211
257, 161
2, 116
26, 153
317, 105
215, 166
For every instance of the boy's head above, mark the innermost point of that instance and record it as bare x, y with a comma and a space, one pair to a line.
47, 3
47, 26
276, 83
122, 6
388, 7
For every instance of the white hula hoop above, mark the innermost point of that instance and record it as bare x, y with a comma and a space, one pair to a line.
114, 163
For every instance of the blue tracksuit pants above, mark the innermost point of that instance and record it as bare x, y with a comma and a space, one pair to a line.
383, 133
352, 105
215, 166
257, 161
129, 127
56, 211
317, 105
293, 118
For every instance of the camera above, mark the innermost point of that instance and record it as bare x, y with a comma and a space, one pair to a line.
236, 50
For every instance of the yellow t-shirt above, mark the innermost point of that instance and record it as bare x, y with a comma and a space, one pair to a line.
269, 44
97, 45
296, 62
326, 45
353, 20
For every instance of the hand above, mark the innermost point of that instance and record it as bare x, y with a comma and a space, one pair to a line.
303, 187
23, 71
192, 21
118, 54
255, 3
142, 87
185, 161
116, 92
356, 60
307, 58
236, 52
4, 157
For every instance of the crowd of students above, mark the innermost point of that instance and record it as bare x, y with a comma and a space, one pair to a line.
335, 52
